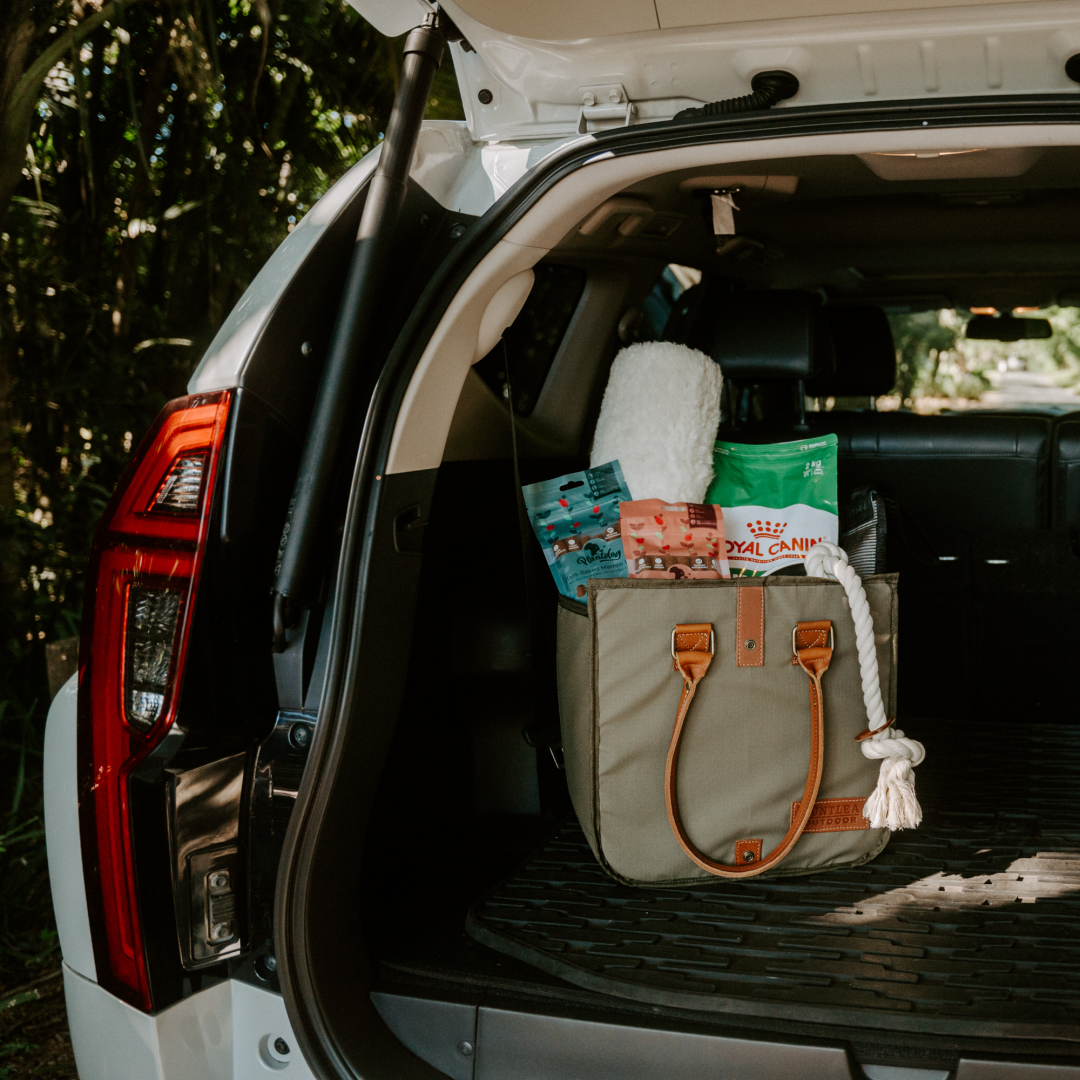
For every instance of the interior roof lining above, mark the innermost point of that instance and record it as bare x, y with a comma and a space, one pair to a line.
577, 194
850, 233
423, 422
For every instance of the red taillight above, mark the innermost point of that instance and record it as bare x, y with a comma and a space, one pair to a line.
140, 591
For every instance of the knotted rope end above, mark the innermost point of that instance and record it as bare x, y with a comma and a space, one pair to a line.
893, 804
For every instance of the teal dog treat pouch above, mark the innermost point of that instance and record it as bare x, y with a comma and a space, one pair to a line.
576, 519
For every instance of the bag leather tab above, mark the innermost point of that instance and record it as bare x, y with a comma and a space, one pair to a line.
750, 626
747, 852
809, 635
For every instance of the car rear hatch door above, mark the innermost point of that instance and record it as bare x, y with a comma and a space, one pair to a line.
552, 69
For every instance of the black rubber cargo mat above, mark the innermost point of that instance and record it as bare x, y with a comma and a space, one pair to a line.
969, 924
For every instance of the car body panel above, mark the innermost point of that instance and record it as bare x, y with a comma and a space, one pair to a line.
225, 1032
226, 362
462, 175
564, 20
393, 17
62, 838
529, 69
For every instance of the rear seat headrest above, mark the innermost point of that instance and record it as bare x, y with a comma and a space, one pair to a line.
865, 354
771, 334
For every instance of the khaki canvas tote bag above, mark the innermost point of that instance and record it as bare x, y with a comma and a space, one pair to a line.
714, 728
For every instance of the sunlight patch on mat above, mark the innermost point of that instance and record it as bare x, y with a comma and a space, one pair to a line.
1047, 876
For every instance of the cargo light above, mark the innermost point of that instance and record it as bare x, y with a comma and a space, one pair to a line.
140, 591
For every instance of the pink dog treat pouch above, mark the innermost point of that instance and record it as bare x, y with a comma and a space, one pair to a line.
679, 541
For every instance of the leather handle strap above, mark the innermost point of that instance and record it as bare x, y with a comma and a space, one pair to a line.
691, 648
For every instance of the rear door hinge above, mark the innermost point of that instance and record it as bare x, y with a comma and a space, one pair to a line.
607, 102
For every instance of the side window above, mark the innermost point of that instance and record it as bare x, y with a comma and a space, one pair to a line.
533, 339
661, 301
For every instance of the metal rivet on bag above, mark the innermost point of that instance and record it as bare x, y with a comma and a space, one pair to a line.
750, 645
747, 856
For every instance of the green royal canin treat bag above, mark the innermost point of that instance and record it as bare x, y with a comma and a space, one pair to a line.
779, 500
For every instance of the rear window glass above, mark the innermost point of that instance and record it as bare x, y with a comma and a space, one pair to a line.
942, 369
533, 339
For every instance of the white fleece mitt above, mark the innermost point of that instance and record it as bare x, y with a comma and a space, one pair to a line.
659, 418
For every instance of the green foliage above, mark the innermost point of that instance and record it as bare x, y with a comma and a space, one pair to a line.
172, 151
920, 339
172, 155
8, 1049
933, 359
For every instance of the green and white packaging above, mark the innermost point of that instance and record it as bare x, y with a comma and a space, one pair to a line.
779, 500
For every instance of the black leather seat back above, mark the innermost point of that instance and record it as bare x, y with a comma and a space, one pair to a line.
967, 474
1065, 482
864, 352
967, 496
761, 335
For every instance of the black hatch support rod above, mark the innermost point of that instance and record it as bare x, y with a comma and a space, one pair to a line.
355, 328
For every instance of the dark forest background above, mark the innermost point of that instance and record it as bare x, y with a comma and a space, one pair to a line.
153, 154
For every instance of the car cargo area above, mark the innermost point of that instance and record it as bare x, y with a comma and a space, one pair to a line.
968, 924
962, 939
961, 936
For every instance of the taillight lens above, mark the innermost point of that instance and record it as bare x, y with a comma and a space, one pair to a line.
141, 585
150, 638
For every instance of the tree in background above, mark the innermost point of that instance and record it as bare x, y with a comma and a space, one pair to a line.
153, 154
172, 147
920, 339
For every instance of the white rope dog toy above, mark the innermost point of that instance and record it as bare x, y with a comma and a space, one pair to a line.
893, 804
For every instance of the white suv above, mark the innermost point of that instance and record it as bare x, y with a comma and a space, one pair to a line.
305, 810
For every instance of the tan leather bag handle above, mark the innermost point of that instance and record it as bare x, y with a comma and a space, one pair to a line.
692, 652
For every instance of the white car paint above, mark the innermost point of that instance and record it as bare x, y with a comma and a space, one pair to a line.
682, 53
462, 174
62, 842
224, 1033
227, 1032
393, 17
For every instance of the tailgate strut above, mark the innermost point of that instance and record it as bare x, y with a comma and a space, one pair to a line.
356, 322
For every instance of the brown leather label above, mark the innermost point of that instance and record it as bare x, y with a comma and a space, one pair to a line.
834, 815
747, 852
750, 626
